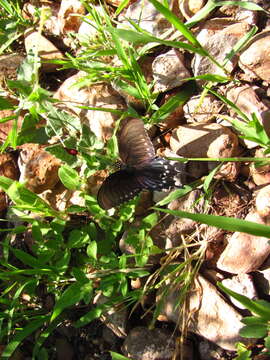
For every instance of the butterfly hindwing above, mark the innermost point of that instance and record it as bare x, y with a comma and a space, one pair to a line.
158, 175
118, 188
135, 146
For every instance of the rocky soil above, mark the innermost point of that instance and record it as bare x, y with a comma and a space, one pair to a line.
196, 129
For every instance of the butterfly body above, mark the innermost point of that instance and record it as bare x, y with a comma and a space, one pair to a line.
140, 168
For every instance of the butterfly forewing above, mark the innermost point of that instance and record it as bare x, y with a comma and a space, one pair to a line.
135, 146
118, 188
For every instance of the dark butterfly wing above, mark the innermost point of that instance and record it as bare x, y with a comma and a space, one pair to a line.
118, 188
159, 174
135, 146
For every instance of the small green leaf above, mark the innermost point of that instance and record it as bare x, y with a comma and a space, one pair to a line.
267, 342
92, 250
90, 316
5, 104
116, 356
242, 352
69, 177
77, 239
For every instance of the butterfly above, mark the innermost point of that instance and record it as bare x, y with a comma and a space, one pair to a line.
140, 169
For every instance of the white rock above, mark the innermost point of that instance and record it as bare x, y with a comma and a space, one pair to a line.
144, 344
244, 252
246, 99
69, 15
46, 49
255, 60
262, 201
242, 284
218, 37
212, 317
206, 140
143, 13
204, 111
97, 95
190, 7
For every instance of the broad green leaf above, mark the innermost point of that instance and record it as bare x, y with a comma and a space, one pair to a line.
62, 263
223, 222
127, 88
72, 295
23, 197
254, 331
62, 153
254, 320
69, 177
27, 259
144, 38
5, 104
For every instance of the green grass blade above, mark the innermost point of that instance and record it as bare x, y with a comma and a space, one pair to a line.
212, 4
175, 21
144, 38
179, 193
249, 5
240, 44
209, 178
223, 222
259, 307
22, 334
121, 6
175, 101
230, 104
201, 14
